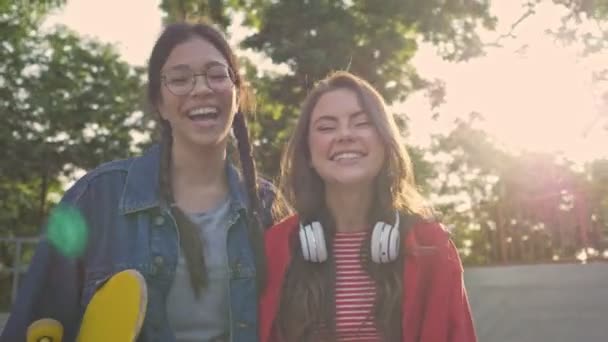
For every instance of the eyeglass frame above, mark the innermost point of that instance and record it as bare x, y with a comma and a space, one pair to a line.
194, 77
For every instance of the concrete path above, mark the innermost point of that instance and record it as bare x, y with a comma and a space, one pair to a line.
554, 303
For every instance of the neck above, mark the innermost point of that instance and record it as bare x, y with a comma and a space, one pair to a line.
198, 177
349, 206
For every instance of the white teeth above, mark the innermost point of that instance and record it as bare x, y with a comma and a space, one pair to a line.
203, 111
347, 155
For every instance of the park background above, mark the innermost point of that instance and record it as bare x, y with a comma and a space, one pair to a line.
503, 105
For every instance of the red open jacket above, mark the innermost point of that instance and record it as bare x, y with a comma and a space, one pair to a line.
435, 305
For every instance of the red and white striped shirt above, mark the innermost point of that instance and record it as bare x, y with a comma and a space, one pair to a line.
355, 291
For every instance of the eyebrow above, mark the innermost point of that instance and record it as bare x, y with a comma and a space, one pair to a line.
333, 118
205, 66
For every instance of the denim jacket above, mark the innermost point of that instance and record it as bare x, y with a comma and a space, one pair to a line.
129, 227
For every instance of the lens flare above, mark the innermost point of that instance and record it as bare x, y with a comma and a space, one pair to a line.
67, 231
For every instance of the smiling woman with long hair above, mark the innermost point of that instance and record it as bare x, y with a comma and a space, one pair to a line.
363, 259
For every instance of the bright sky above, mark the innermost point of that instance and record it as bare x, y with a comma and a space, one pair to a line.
538, 98
132, 25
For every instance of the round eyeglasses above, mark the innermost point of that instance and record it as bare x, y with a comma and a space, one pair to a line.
181, 80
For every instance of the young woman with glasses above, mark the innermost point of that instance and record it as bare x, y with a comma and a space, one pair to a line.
181, 214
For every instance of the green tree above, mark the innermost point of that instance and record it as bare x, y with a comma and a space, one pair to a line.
66, 104
314, 37
597, 190
507, 207
196, 10
374, 41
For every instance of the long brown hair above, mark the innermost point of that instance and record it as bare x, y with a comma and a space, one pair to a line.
191, 245
308, 302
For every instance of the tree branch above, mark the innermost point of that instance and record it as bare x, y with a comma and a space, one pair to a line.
497, 43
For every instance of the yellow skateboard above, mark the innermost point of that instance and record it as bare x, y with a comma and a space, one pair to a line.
117, 310
115, 313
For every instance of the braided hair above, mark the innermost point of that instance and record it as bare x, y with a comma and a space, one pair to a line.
191, 245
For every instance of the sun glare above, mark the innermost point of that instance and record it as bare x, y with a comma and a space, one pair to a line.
132, 25
533, 93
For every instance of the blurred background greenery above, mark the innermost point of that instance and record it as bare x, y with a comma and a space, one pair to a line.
69, 102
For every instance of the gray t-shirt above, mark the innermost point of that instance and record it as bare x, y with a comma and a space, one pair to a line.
205, 318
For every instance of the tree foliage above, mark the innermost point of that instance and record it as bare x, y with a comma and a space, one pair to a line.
66, 104
194, 11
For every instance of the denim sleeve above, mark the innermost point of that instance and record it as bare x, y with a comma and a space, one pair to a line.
50, 289
267, 193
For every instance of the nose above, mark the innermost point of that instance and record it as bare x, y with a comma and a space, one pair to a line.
200, 85
345, 133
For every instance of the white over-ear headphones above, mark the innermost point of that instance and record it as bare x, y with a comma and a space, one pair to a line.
384, 244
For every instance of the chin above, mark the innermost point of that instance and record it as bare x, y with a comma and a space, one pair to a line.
209, 140
350, 180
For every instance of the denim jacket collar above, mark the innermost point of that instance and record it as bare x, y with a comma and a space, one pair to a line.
142, 189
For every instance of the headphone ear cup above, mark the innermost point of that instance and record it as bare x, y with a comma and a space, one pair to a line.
395, 239
384, 242
320, 251
304, 242
393, 243
376, 242
312, 241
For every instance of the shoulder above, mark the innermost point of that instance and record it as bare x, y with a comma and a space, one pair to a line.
105, 176
114, 169
279, 248
280, 233
425, 232
429, 238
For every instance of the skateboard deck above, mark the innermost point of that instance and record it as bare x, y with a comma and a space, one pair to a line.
117, 310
